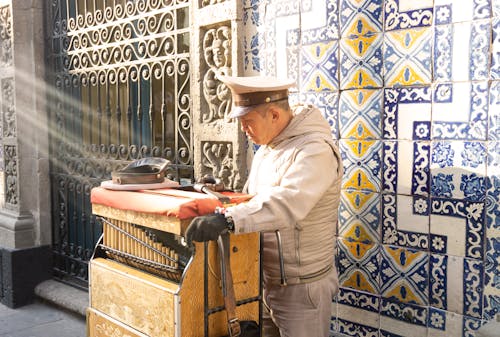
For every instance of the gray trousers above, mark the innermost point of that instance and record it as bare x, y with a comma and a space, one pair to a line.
299, 310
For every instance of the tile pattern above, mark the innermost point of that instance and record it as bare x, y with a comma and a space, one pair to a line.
462, 51
359, 216
359, 114
407, 57
361, 62
362, 166
458, 170
320, 67
495, 50
411, 90
404, 14
460, 110
494, 111
359, 266
360, 18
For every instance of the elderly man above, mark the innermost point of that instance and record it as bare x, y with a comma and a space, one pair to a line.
295, 182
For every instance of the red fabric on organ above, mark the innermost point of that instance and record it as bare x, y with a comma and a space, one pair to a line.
169, 202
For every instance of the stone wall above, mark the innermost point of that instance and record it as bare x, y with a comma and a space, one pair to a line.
25, 197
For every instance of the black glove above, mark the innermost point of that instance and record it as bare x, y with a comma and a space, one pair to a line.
206, 228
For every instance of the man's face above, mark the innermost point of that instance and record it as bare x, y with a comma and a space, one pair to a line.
258, 126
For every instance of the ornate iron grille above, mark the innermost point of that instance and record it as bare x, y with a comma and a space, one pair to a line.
121, 91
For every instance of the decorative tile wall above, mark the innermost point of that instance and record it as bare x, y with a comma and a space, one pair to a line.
411, 90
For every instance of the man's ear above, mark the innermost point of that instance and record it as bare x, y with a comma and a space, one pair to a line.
275, 113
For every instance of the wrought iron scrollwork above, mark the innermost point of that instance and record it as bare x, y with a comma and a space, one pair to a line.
121, 92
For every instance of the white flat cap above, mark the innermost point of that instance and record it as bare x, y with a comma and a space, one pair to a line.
250, 91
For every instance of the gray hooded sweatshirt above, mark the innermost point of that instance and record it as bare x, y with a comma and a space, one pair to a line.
295, 182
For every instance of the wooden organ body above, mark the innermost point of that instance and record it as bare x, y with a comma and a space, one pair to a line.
144, 281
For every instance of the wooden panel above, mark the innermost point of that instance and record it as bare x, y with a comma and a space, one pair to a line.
147, 303
245, 268
100, 325
156, 221
140, 300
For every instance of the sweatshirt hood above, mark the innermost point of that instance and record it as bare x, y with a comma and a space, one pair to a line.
307, 119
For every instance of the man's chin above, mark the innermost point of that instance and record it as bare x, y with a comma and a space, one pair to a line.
254, 141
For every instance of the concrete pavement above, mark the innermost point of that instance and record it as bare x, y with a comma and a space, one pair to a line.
40, 319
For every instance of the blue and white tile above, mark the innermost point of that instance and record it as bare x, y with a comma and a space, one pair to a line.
406, 167
456, 284
254, 3
280, 21
361, 62
445, 323
319, 21
448, 11
252, 64
284, 7
460, 111
360, 114
452, 282
293, 66
253, 41
362, 164
480, 49
473, 288
461, 51
319, 66
407, 57
494, 111
495, 50
458, 170
436, 320
493, 160
328, 104
360, 18
358, 265
264, 63
495, 4
439, 281
359, 216
405, 320
407, 113
404, 275
457, 227
287, 23
254, 56
253, 23
357, 323
262, 19
493, 189
403, 14
405, 221
492, 253
358, 313
470, 326
491, 300
272, 9
335, 314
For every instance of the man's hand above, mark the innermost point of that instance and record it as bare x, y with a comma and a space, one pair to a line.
206, 228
